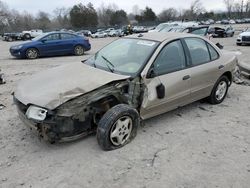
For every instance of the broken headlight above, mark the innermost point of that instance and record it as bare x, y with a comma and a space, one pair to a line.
36, 113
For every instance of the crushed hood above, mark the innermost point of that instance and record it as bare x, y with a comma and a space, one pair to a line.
51, 88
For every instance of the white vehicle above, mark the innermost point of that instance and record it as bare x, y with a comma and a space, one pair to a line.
100, 34
167, 25
232, 22
27, 35
244, 38
116, 33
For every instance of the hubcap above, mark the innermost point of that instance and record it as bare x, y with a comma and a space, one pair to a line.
221, 90
121, 130
32, 54
79, 50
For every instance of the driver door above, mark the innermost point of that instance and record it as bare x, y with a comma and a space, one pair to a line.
168, 82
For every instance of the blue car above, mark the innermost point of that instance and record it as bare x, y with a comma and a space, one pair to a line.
52, 44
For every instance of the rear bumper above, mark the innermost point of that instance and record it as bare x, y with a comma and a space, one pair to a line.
245, 69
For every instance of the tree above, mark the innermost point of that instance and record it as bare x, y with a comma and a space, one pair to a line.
105, 13
119, 17
83, 16
147, 15
61, 18
168, 14
229, 6
43, 21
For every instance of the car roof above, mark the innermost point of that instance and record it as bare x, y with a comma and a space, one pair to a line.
60, 32
160, 36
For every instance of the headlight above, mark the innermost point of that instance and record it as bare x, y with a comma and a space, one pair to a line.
239, 37
17, 47
36, 113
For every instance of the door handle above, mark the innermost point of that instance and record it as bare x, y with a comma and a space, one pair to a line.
221, 67
186, 77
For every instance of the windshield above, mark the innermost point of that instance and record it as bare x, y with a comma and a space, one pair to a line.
161, 26
123, 56
39, 37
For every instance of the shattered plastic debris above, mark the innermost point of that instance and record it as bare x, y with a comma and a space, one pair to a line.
238, 79
2, 81
2, 106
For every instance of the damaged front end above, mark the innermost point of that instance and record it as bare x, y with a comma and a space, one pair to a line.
79, 116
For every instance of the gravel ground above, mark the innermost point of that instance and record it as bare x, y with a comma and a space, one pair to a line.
199, 145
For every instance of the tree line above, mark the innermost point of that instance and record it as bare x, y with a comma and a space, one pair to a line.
86, 16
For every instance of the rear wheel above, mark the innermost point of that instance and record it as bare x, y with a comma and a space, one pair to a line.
32, 53
79, 50
27, 36
10, 39
117, 127
219, 91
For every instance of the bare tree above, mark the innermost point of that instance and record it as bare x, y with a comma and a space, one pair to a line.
168, 14
104, 13
229, 6
196, 7
61, 18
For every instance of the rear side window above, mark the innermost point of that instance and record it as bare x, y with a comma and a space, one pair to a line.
214, 54
65, 36
198, 50
170, 59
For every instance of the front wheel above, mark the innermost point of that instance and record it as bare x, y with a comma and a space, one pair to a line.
219, 91
117, 127
32, 53
79, 50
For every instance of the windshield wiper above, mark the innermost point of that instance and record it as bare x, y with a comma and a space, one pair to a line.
109, 64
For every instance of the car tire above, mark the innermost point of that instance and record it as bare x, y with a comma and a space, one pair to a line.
219, 91
232, 35
27, 36
32, 53
78, 50
117, 127
10, 39
224, 35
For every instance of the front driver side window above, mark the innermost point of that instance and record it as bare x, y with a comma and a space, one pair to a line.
170, 59
52, 37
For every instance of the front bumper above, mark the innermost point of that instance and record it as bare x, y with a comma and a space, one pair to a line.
55, 128
16, 53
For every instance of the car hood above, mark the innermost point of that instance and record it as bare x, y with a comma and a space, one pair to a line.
51, 88
26, 44
247, 33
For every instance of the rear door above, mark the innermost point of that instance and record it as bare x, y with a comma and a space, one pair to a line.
205, 68
171, 77
68, 42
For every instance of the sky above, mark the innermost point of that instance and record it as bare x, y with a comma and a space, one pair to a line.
33, 6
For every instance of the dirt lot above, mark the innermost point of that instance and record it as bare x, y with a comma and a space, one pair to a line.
199, 145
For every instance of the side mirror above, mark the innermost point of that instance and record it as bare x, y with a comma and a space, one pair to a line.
219, 46
160, 90
43, 40
151, 73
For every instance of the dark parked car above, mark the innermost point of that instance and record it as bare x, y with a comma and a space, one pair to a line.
221, 31
11, 36
52, 44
